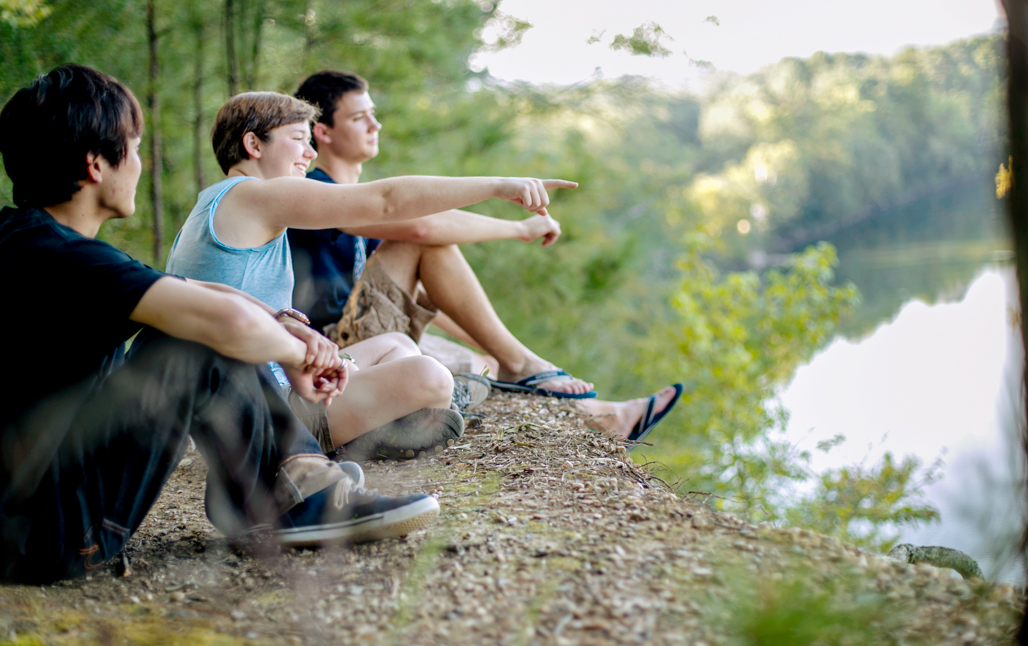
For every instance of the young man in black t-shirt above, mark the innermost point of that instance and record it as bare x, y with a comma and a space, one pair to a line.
87, 436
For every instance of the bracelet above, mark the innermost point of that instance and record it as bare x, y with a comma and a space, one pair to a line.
291, 313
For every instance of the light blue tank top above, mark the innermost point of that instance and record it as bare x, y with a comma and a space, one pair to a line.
264, 272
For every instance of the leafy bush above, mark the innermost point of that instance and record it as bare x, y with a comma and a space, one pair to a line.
739, 336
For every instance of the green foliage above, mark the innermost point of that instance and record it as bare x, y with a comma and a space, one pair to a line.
23, 13
853, 133
416, 54
739, 337
644, 41
860, 505
806, 609
741, 334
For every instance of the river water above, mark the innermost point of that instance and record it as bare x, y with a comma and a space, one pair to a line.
928, 365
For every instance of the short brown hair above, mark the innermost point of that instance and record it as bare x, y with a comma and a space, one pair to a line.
256, 112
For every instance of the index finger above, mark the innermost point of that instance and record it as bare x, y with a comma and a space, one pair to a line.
558, 183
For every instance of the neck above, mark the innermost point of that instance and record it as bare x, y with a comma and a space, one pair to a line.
341, 171
77, 216
245, 169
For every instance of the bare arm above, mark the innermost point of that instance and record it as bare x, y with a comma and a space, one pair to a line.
224, 322
321, 352
462, 227
218, 287
307, 204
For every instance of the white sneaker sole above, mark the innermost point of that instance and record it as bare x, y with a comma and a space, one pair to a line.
393, 523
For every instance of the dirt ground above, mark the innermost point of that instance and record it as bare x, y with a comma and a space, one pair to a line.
549, 534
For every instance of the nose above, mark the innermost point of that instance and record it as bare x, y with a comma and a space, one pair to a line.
375, 125
309, 152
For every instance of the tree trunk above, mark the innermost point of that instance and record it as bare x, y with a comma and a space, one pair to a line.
255, 49
153, 102
199, 140
231, 62
308, 29
1017, 198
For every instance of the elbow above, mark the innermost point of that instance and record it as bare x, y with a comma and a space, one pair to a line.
388, 209
420, 233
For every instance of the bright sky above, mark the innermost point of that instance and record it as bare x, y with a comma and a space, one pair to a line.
752, 33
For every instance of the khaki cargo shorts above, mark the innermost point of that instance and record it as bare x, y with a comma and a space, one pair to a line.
378, 305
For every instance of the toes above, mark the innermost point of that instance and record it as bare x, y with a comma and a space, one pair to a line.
562, 386
571, 386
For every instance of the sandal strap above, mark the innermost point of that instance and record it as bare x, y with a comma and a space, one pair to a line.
540, 377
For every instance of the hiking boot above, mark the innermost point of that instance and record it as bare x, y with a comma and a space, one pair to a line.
469, 390
345, 513
429, 430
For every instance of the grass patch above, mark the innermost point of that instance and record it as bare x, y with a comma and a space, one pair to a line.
804, 609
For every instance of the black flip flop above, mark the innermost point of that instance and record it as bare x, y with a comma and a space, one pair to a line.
528, 385
649, 420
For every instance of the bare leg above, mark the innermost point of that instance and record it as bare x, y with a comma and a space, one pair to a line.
454, 288
619, 418
482, 364
382, 348
378, 394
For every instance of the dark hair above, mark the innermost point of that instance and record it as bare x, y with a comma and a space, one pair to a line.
48, 128
256, 112
326, 87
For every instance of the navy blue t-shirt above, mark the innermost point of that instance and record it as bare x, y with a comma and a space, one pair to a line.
323, 264
67, 302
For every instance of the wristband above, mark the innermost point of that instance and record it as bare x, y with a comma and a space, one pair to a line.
291, 313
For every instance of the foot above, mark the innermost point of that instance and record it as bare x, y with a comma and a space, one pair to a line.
345, 513
532, 365
619, 418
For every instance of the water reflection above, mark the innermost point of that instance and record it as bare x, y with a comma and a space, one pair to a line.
937, 378
935, 382
930, 249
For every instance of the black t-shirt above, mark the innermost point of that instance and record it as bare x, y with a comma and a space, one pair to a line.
66, 305
323, 265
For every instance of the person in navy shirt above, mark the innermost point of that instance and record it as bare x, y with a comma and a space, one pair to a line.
399, 277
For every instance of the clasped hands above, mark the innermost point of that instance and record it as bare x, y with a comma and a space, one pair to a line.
325, 371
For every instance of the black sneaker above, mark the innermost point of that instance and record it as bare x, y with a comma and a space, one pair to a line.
344, 513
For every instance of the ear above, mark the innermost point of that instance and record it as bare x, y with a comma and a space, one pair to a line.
94, 171
252, 144
320, 133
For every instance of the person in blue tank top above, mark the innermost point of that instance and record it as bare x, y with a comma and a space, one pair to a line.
398, 403
403, 266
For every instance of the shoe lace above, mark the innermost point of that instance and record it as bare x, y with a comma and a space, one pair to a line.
345, 490
462, 397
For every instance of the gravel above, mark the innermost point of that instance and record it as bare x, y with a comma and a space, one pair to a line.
549, 534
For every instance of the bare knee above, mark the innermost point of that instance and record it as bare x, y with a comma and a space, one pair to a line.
434, 381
